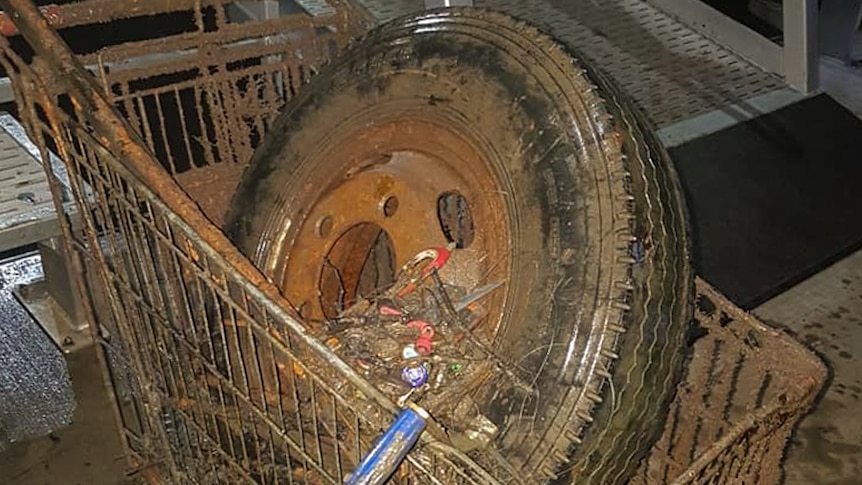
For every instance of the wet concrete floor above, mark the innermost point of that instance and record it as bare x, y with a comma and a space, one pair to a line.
825, 312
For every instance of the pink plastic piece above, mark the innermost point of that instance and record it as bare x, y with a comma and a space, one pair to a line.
390, 312
424, 343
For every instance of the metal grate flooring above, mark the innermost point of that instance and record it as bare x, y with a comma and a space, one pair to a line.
25, 198
671, 71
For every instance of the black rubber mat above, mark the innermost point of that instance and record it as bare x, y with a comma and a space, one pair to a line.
775, 199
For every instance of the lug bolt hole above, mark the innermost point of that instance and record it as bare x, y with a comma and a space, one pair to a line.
324, 226
390, 206
456, 219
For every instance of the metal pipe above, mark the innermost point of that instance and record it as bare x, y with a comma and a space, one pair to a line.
390, 449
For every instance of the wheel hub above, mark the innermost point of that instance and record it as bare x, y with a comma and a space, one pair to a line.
382, 196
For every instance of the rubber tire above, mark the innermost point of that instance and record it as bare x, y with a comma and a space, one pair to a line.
601, 250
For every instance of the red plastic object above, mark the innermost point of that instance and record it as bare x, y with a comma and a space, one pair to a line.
438, 256
424, 343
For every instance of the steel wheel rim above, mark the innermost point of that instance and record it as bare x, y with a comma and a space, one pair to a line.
392, 175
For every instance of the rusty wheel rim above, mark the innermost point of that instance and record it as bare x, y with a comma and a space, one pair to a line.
380, 193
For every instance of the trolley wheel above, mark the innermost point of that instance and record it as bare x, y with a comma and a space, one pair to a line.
472, 129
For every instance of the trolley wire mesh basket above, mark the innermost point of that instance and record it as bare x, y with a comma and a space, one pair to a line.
215, 380
746, 387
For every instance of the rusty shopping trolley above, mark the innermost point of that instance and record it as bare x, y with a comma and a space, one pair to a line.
192, 332
214, 379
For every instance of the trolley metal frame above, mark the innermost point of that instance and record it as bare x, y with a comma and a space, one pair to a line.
214, 378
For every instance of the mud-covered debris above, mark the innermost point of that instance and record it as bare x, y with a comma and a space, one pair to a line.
416, 342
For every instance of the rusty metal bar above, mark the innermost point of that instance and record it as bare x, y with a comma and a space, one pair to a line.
91, 11
103, 11
184, 43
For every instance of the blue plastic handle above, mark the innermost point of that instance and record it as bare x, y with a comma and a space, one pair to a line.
390, 449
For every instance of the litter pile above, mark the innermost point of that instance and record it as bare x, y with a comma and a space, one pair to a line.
416, 343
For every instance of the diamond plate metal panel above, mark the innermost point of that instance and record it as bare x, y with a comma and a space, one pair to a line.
385, 10
316, 7
670, 70
36, 395
25, 199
